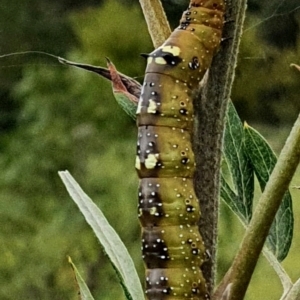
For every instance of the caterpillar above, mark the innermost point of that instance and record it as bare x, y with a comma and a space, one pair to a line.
168, 209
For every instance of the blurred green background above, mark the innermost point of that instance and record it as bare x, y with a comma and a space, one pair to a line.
54, 117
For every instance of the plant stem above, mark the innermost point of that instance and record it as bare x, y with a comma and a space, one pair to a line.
156, 20
210, 108
245, 261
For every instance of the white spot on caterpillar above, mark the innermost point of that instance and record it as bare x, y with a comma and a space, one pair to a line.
150, 161
152, 107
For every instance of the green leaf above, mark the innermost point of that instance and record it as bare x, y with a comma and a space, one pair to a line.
126, 90
230, 198
241, 197
85, 293
123, 100
263, 160
109, 239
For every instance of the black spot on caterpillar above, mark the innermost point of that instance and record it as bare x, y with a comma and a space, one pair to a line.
172, 247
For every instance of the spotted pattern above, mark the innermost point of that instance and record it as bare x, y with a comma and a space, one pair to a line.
168, 209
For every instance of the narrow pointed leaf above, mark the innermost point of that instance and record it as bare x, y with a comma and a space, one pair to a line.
84, 291
95, 69
109, 239
263, 160
230, 198
133, 86
125, 99
241, 197
129, 107
126, 90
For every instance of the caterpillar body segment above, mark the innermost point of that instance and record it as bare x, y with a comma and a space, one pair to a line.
168, 209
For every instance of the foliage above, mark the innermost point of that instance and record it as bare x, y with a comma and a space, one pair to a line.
109, 239
68, 121
246, 152
62, 118
84, 291
258, 157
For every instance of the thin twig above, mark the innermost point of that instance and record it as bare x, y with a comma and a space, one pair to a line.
156, 20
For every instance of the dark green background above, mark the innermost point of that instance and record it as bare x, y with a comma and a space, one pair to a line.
54, 117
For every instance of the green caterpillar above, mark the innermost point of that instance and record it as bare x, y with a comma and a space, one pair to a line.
172, 247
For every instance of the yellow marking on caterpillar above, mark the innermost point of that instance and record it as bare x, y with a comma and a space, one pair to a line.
149, 60
153, 210
140, 213
150, 161
171, 49
139, 108
137, 163
160, 61
152, 107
